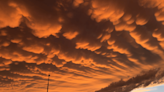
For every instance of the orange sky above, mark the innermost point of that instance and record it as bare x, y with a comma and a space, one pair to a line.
83, 44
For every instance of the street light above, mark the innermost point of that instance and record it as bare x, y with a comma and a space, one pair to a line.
48, 82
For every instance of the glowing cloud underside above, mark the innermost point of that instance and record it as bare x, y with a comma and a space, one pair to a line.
86, 45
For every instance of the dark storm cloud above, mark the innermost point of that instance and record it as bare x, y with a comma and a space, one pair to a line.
84, 44
142, 80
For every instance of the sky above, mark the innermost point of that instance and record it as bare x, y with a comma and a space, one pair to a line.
85, 45
157, 88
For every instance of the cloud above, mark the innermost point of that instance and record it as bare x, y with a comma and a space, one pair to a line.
34, 49
9, 15
42, 24
77, 2
85, 45
148, 78
70, 35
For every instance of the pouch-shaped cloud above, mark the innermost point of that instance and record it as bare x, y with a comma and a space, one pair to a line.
44, 24
70, 35
34, 49
9, 16
104, 9
85, 45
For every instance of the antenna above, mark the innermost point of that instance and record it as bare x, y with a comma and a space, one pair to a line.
48, 82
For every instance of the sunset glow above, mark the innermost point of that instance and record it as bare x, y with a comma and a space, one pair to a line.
85, 45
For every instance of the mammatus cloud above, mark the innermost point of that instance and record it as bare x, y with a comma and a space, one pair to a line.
85, 45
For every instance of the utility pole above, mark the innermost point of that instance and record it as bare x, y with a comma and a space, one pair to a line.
48, 82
